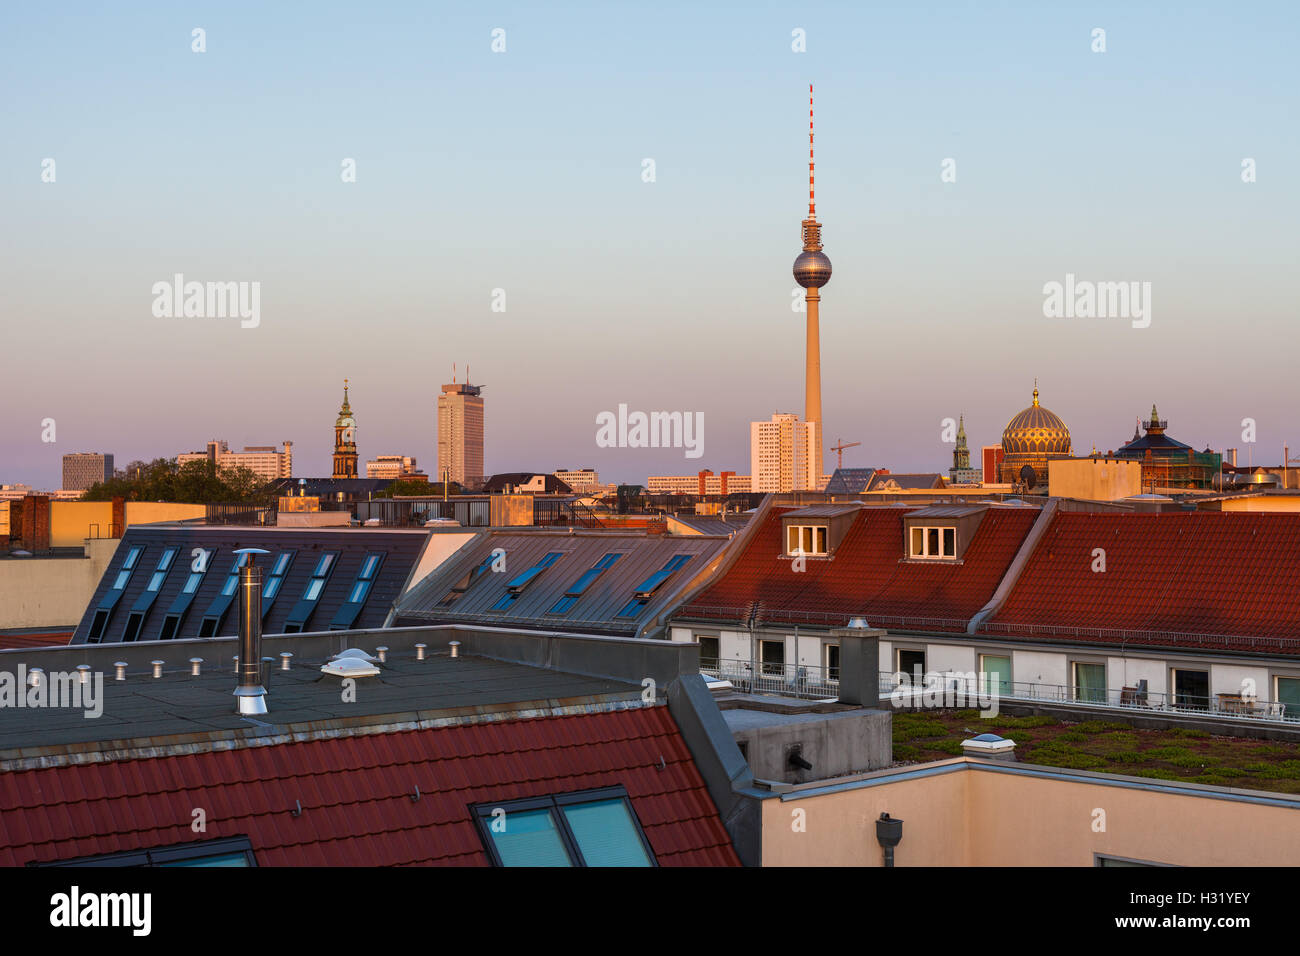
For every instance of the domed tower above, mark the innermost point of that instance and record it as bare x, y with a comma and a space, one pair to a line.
812, 270
345, 440
1031, 439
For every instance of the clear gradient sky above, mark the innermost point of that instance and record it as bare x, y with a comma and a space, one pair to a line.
522, 171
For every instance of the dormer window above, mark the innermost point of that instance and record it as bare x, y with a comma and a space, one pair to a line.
806, 539
933, 543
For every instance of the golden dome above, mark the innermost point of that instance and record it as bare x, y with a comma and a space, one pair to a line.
1036, 431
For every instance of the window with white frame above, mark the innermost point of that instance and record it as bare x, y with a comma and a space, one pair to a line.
935, 543
806, 539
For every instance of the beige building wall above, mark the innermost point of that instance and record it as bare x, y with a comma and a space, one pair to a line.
52, 592
72, 522
969, 816
1094, 479
1262, 503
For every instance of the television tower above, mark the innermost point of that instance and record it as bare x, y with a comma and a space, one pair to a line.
812, 270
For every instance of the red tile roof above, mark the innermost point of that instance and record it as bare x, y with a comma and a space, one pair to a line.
1225, 580
867, 575
356, 794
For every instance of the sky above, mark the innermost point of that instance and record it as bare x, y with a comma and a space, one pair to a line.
524, 171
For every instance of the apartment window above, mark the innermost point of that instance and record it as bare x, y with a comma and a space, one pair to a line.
593, 828
831, 661
772, 655
1191, 689
646, 589
806, 539
580, 586
912, 663
515, 586
933, 543
1090, 682
1287, 692
709, 650
995, 675
234, 851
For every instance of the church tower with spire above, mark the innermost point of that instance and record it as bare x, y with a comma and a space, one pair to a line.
812, 270
345, 440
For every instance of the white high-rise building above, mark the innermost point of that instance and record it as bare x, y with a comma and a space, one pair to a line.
265, 461
783, 454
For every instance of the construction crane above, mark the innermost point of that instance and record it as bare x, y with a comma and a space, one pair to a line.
839, 450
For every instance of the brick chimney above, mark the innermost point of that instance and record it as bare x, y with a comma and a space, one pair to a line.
36, 523
117, 525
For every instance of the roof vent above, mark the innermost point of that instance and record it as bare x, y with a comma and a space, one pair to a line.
120, 667
859, 621
349, 667
250, 694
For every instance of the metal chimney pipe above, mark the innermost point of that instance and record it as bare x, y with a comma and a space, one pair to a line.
419, 651
250, 695
120, 667
285, 658
455, 648
195, 664
83, 673
157, 668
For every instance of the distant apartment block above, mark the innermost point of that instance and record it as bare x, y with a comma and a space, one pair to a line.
262, 460
460, 433
783, 456
391, 466
704, 483
83, 469
583, 479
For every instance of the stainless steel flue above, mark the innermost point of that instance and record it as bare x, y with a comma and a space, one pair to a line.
250, 695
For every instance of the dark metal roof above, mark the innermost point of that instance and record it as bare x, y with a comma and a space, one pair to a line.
882, 482
715, 524
947, 511
598, 607
329, 487
401, 549
824, 511
850, 481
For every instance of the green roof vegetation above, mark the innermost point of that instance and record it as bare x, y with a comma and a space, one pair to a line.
1184, 754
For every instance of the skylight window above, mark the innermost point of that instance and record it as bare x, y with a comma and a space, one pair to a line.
99, 623
465, 583
351, 609
595, 828
216, 614
306, 606
140, 610
647, 588
515, 586
271, 586
580, 586
171, 625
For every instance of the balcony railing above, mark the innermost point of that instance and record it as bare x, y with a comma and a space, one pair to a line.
804, 681
1128, 699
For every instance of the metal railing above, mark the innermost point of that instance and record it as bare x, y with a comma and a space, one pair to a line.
1129, 699
804, 681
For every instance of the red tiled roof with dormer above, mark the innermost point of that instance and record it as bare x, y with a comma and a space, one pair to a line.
868, 574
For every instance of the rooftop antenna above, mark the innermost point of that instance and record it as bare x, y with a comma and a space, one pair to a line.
812, 201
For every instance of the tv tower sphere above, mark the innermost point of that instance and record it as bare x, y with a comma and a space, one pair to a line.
812, 269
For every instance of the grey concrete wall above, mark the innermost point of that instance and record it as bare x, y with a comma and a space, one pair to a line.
835, 744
